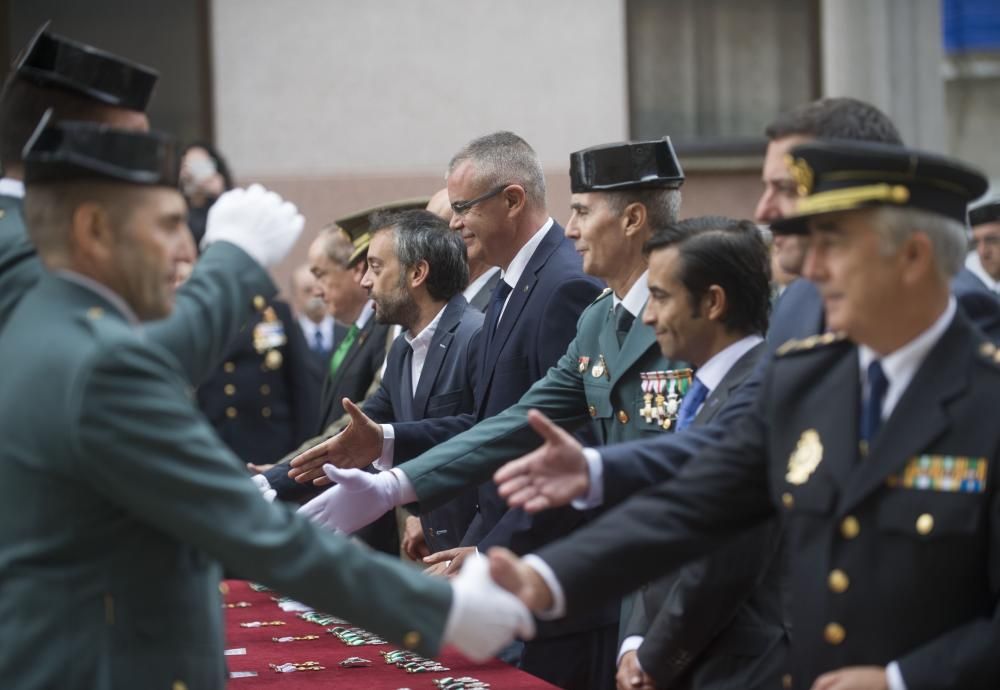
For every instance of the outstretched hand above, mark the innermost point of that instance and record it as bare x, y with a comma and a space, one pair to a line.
548, 477
357, 446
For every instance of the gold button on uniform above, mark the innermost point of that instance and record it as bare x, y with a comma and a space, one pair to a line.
623, 416
259, 303
265, 412
223, 588
229, 367
411, 639
787, 500
592, 410
925, 524
229, 389
834, 633
838, 581
231, 412
786, 681
179, 685
265, 389
849, 527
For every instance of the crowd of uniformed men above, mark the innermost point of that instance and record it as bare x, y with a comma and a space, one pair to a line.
626, 454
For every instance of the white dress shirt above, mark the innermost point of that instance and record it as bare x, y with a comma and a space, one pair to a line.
325, 328
476, 285
636, 297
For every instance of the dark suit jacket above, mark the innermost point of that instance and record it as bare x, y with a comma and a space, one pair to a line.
897, 546
446, 387
537, 326
355, 373
264, 405
799, 311
717, 623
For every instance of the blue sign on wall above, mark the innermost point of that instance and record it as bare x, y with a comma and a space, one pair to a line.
971, 25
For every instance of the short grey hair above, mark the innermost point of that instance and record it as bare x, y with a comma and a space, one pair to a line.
663, 206
49, 207
947, 236
504, 158
336, 245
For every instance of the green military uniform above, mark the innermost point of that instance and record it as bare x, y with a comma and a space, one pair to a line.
576, 390
119, 503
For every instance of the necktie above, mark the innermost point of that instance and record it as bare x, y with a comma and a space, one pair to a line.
345, 345
871, 406
690, 404
318, 340
500, 293
623, 321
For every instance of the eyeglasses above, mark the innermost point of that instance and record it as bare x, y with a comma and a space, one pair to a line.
462, 207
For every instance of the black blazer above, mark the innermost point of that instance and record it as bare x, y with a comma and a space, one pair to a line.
717, 623
882, 568
263, 405
446, 386
355, 374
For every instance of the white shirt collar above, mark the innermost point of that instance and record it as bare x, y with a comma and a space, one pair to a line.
476, 285
424, 337
325, 328
636, 297
104, 291
715, 369
11, 187
975, 265
520, 261
366, 313
901, 365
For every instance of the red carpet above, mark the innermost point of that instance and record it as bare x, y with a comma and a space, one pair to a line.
329, 652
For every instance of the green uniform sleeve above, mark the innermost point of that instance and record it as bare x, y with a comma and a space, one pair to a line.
144, 447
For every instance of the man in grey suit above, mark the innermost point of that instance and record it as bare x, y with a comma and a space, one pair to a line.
717, 622
113, 578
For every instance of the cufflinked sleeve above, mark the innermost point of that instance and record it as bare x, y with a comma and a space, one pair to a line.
144, 447
226, 288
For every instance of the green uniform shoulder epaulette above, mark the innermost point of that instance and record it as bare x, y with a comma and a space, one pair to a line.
805, 344
604, 293
990, 353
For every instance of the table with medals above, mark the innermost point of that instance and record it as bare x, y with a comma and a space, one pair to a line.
272, 642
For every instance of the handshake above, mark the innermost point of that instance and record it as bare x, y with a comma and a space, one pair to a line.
493, 597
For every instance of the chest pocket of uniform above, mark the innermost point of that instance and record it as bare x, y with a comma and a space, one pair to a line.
598, 394
927, 514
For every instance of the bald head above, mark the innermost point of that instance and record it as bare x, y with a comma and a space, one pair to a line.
439, 204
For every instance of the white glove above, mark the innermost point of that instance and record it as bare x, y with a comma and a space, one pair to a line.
358, 499
484, 618
257, 221
266, 491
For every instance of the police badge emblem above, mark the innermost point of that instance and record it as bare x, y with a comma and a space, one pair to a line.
805, 458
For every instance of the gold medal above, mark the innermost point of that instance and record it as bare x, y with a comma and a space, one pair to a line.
600, 369
273, 359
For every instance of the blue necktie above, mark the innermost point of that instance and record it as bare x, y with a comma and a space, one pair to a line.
318, 341
871, 406
690, 404
500, 293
